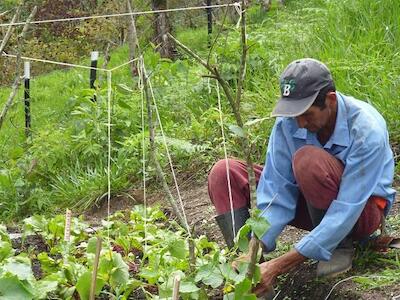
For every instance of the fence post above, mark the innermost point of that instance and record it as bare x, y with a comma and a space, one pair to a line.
27, 76
209, 22
93, 57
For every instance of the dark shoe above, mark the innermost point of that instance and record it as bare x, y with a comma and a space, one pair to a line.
224, 222
340, 262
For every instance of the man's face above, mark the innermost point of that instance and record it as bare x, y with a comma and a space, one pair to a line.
316, 119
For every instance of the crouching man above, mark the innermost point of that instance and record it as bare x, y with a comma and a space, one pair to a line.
329, 170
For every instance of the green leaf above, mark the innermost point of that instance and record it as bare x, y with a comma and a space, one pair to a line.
4, 236
238, 131
84, 282
47, 263
124, 105
43, 287
259, 225
11, 288
92, 244
255, 121
119, 272
125, 88
6, 250
210, 275
177, 248
188, 287
19, 266
242, 237
243, 290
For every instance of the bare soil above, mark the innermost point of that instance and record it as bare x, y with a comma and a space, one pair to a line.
298, 284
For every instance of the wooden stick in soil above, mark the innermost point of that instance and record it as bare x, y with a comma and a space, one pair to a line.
95, 268
175, 291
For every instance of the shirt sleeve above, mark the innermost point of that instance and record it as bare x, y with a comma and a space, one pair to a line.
276, 189
361, 174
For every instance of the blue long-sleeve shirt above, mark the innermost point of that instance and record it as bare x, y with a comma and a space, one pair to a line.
360, 141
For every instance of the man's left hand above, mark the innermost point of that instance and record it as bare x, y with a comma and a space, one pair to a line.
269, 272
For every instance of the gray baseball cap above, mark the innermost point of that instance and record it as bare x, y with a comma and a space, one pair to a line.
300, 84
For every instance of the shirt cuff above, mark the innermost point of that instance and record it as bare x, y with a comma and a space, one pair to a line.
308, 248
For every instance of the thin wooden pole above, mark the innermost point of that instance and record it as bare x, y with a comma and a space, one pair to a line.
95, 267
209, 22
175, 291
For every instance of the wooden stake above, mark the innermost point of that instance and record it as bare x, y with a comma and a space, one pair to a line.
67, 229
95, 267
175, 291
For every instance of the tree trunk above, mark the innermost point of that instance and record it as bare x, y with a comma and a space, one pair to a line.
165, 46
133, 41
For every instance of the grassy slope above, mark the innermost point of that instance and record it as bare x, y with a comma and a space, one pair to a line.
359, 41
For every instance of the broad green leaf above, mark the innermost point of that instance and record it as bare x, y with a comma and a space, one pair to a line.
243, 290
92, 244
188, 287
125, 88
4, 236
6, 250
84, 282
242, 238
177, 248
210, 275
43, 287
259, 225
123, 104
119, 272
11, 288
47, 263
19, 266
236, 130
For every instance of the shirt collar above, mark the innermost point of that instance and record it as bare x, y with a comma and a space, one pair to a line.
340, 136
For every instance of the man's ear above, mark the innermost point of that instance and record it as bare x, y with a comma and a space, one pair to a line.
331, 97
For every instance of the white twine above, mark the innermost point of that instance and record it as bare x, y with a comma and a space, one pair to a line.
53, 62
352, 277
109, 74
228, 178
167, 151
68, 64
140, 84
239, 10
123, 14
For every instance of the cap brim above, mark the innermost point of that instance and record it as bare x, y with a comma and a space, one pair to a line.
289, 107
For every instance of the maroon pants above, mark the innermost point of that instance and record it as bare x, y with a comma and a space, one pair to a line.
318, 176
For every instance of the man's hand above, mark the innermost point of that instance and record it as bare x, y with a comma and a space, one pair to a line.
271, 269
269, 272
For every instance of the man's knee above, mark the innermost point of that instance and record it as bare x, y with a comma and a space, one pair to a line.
304, 159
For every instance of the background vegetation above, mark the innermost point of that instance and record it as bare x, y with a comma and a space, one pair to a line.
64, 163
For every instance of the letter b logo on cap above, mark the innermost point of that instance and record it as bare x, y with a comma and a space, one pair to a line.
286, 90
287, 86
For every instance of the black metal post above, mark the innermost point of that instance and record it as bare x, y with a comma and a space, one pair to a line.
94, 57
27, 100
209, 22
